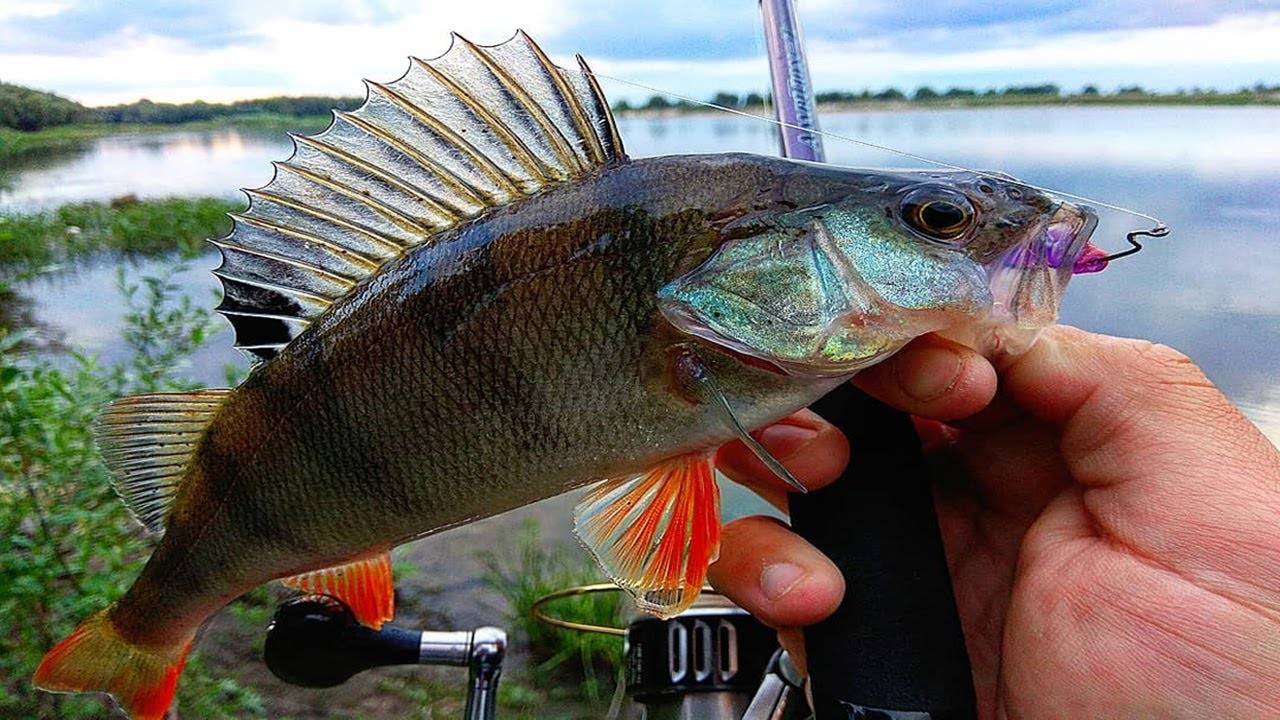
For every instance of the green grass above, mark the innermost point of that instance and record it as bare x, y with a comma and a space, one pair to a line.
588, 660
16, 143
31, 241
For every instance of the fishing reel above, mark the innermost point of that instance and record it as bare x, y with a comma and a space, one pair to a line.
712, 662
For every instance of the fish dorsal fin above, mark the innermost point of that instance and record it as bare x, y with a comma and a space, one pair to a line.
147, 442
476, 128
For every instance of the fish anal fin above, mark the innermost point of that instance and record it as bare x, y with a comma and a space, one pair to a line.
147, 442
365, 586
656, 533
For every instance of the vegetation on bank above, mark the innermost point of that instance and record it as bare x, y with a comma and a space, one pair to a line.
73, 548
28, 110
926, 96
145, 111
23, 108
32, 121
30, 242
16, 144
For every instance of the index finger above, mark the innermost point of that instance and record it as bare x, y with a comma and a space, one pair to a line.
932, 377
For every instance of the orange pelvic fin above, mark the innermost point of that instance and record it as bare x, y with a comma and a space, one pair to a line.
656, 533
95, 658
363, 585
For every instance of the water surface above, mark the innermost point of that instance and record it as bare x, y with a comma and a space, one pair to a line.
1212, 289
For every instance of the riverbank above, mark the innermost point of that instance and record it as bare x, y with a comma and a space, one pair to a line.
901, 103
15, 144
127, 225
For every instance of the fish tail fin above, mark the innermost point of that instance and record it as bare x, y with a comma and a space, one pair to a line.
94, 657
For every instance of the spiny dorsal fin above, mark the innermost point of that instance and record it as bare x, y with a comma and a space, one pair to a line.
470, 130
147, 442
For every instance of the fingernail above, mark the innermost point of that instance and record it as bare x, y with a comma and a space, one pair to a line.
784, 440
778, 579
927, 373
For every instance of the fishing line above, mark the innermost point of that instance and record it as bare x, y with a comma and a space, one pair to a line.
1158, 229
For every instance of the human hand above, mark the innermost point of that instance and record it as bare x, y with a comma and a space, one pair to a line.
1111, 521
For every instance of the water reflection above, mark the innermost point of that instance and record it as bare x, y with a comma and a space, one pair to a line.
17, 311
1212, 289
148, 165
86, 310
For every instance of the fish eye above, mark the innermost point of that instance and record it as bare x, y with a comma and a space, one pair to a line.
938, 213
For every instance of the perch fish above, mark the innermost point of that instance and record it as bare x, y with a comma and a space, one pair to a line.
463, 297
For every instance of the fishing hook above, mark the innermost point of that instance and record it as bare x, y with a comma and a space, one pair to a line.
1158, 231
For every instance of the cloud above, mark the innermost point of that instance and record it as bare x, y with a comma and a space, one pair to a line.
281, 53
100, 52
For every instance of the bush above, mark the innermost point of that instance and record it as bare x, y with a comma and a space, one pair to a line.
23, 108
73, 547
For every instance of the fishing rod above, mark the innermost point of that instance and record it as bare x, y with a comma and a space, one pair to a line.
894, 648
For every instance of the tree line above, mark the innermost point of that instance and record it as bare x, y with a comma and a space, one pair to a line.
145, 111
23, 108
927, 93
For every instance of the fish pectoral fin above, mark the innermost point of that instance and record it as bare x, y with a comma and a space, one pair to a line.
365, 586
655, 534
147, 442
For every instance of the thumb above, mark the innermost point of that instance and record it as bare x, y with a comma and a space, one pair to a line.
1171, 469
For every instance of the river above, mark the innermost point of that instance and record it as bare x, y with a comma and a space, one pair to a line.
1211, 289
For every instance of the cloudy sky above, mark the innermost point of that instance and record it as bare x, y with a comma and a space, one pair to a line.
102, 51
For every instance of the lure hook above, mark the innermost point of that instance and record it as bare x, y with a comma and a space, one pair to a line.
1158, 231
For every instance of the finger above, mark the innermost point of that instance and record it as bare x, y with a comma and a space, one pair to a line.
810, 447
932, 377
792, 640
775, 574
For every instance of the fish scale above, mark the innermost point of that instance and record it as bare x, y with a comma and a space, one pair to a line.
465, 298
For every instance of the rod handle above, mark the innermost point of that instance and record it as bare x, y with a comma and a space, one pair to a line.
894, 648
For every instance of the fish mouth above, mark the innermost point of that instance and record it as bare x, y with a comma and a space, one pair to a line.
1062, 241
1028, 280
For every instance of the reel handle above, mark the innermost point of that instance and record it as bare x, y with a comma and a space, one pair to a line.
315, 641
894, 649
